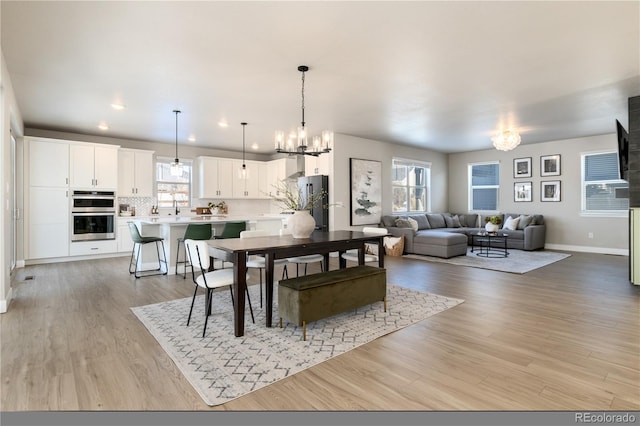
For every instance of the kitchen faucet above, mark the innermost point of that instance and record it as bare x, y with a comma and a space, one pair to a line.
175, 202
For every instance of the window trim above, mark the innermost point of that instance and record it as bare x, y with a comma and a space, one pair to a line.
169, 160
583, 185
470, 187
412, 163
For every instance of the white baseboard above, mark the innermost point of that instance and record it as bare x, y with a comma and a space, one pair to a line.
4, 304
74, 258
588, 249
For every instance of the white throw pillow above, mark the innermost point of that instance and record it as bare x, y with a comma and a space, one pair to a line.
414, 223
511, 223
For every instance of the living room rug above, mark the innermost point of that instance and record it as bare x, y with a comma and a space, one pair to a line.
222, 367
518, 261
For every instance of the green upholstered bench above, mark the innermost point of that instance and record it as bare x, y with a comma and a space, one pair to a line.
317, 296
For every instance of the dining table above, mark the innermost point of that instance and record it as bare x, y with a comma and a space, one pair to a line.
272, 247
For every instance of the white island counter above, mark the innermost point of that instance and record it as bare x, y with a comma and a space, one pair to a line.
170, 228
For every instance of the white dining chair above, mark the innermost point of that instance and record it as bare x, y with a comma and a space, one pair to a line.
352, 255
198, 257
301, 260
259, 262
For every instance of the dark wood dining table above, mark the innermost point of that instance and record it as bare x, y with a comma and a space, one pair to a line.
273, 247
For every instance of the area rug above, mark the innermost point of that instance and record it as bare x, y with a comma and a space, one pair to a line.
518, 261
222, 367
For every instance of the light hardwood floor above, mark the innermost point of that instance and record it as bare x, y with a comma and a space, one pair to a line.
563, 337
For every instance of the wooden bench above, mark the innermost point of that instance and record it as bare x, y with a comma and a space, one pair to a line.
317, 296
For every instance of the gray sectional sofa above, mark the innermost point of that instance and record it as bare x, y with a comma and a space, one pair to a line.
448, 234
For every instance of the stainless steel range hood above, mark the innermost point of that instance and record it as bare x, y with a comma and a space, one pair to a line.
295, 167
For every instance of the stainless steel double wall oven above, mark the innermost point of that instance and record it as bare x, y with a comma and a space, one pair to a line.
93, 215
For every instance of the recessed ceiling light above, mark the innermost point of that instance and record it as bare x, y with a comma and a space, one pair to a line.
192, 138
118, 107
255, 146
103, 126
223, 123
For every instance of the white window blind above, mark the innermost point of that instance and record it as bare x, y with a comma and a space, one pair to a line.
600, 179
484, 184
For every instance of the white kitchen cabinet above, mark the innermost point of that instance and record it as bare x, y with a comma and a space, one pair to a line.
320, 165
215, 177
135, 173
276, 172
83, 248
263, 179
94, 166
123, 235
249, 187
48, 217
48, 163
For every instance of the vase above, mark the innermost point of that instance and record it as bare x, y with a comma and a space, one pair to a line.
301, 224
491, 227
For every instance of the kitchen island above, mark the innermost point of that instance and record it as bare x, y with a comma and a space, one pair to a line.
170, 228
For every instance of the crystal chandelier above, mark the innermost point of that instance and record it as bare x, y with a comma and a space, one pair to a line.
297, 143
176, 166
506, 140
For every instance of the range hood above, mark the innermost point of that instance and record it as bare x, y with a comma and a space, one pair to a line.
294, 167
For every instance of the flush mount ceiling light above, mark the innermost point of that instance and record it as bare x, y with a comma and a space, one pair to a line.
103, 126
297, 145
176, 166
506, 140
243, 173
117, 106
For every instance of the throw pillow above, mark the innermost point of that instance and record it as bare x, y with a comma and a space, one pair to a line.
524, 221
455, 221
511, 223
403, 223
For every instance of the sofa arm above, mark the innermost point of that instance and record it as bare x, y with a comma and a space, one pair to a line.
407, 233
534, 237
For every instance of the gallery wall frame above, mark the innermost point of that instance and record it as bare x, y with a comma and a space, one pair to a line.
522, 167
550, 165
550, 190
522, 192
366, 191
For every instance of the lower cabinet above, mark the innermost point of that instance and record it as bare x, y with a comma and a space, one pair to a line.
48, 222
81, 248
125, 243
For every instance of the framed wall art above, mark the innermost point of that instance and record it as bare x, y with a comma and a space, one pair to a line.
522, 167
550, 190
366, 191
550, 165
522, 192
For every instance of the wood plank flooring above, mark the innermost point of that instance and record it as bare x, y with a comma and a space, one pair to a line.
563, 337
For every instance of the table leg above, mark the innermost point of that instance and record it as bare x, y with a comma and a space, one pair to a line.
342, 263
239, 288
381, 252
268, 257
361, 255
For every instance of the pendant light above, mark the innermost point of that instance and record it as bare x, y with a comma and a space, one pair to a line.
243, 172
176, 166
296, 143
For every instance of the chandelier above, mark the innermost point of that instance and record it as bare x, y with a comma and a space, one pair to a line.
506, 140
176, 166
296, 143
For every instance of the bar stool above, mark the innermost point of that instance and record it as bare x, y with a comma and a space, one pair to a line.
231, 230
195, 231
139, 241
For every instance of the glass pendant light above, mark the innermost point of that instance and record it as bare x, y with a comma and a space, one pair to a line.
243, 172
176, 166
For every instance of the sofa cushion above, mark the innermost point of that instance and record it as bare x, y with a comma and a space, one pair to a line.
468, 220
511, 223
389, 221
436, 220
538, 219
404, 222
423, 223
525, 221
440, 238
451, 221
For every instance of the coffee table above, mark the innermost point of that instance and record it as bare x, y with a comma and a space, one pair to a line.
484, 243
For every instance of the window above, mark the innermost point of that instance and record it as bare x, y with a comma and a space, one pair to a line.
411, 186
600, 179
171, 188
484, 184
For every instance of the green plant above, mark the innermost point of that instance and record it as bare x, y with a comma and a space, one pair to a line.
293, 199
496, 220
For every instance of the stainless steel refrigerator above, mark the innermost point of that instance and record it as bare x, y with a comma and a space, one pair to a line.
317, 184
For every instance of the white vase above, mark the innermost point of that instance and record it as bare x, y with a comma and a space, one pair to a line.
491, 227
301, 224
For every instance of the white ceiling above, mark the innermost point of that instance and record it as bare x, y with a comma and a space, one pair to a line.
437, 75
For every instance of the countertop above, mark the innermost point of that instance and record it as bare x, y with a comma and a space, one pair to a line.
180, 220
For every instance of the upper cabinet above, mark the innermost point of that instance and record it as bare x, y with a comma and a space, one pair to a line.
94, 166
276, 172
215, 177
320, 165
135, 173
49, 163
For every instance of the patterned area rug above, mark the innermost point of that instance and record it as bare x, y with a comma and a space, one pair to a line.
518, 261
222, 367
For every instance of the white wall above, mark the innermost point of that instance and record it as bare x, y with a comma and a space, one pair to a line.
346, 147
10, 121
566, 227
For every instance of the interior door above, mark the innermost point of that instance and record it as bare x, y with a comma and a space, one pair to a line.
13, 206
